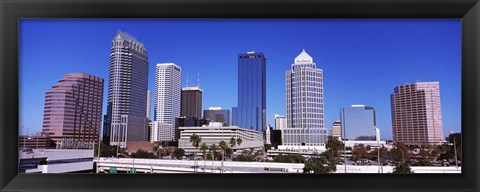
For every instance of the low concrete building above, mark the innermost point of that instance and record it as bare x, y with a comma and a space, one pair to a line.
215, 132
134, 146
56, 161
34, 142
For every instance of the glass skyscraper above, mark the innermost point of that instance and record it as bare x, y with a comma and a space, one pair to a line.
305, 121
251, 110
127, 92
217, 114
358, 122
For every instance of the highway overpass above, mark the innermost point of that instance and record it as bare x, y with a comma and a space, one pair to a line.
188, 166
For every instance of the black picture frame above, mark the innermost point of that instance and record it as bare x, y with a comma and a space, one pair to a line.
13, 10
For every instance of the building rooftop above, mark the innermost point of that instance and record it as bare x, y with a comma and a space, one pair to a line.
193, 88
303, 58
127, 37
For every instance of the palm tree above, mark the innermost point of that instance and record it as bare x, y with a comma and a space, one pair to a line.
195, 140
239, 141
212, 149
233, 142
164, 148
223, 147
204, 149
156, 148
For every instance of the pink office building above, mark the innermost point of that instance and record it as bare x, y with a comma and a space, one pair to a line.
73, 108
417, 114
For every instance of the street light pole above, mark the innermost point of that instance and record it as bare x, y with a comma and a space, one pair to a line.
344, 138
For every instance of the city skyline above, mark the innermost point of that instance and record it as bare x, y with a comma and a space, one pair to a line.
430, 64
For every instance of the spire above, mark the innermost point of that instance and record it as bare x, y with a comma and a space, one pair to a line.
303, 58
198, 80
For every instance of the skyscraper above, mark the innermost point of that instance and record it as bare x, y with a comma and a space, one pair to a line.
191, 102
127, 91
73, 108
305, 121
358, 122
251, 110
336, 130
167, 100
280, 122
417, 114
149, 96
217, 114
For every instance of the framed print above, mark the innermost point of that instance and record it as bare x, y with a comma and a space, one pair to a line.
218, 95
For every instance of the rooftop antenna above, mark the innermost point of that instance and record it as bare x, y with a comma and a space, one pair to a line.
198, 80
187, 80
418, 78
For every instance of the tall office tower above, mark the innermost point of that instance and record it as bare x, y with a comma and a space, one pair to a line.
217, 114
305, 121
167, 100
417, 114
191, 102
358, 122
336, 130
149, 95
127, 91
280, 122
73, 108
251, 112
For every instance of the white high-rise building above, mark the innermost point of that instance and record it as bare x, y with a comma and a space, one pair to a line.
167, 101
305, 121
149, 95
280, 122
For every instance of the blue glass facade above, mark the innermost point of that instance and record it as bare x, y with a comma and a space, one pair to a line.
251, 110
358, 122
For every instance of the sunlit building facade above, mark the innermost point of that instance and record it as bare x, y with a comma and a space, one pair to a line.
417, 114
73, 108
305, 120
167, 100
358, 123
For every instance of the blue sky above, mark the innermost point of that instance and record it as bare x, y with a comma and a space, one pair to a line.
362, 59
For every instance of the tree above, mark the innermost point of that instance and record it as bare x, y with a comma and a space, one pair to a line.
108, 150
164, 148
317, 165
334, 145
424, 154
296, 158
156, 149
359, 152
239, 141
143, 154
402, 168
213, 150
204, 149
195, 140
179, 153
232, 142
223, 147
